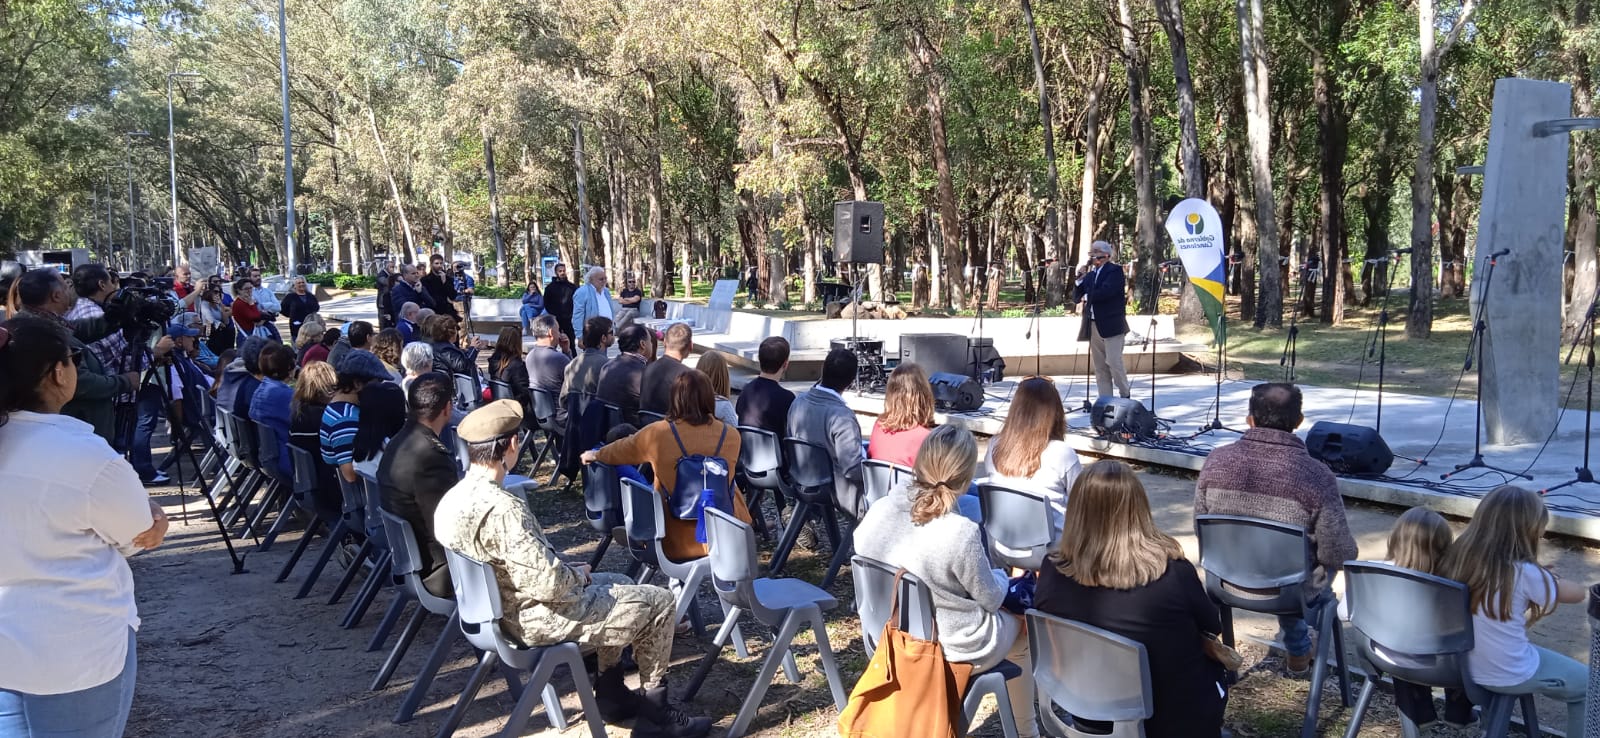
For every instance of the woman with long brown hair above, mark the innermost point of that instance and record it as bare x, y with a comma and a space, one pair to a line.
506, 365
1114, 570
1031, 452
907, 417
715, 366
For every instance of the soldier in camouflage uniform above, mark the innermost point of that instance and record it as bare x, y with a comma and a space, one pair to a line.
547, 600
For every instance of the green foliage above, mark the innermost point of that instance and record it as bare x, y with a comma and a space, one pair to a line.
509, 292
343, 281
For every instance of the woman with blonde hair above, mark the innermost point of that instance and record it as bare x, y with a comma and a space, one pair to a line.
907, 417
1113, 569
1031, 452
715, 366
311, 332
919, 529
313, 390
1497, 557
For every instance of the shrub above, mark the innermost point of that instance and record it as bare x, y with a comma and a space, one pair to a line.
342, 281
493, 292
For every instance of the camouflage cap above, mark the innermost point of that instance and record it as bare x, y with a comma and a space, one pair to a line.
494, 420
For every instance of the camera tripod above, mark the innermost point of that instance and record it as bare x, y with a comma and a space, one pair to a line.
182, 444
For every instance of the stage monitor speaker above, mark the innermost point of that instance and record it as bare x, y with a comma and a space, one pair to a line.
956, 392
1116, 415
937, 353
858, 232
1349, 449
983, 361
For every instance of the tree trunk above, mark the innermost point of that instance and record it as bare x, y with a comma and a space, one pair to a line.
1258, 124
1333, 141
949, 222
936, 272
533, 254
1148, 277
1585, 275
582, 175
1091, 166
1056, 291
1248, 235
1191, 314
502, 278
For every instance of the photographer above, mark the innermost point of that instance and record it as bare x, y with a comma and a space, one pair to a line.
45, 294
464, 285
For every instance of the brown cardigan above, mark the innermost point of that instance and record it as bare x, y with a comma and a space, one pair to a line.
654, 445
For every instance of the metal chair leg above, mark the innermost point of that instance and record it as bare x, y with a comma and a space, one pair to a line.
282, 522
407, 635
436, 657
391, 616
334, 541
1361, 708
350, 573
769, 667
791, 534
376, 582
299, 550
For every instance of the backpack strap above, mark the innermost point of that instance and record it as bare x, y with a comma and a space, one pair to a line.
679, 439
718, 452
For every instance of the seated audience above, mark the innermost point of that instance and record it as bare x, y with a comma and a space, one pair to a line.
356, 335
907, 417
1114, 570
918, 528
820, 417
655, 391
312, 391
387, 346
311, 333
1268, 474
418, 469
692, 416
546, 362
447, 356
247, 378
342, 418
620, 378
1031, 453
417, 360
321, 350
407, 323
582, 374
763, 403
1497, 557
625, 471
270, 406
715, 366
505, 365
383, 403
547, 600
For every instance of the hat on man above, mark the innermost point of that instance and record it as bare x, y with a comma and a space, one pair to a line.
361, 364
494, 420
184, 324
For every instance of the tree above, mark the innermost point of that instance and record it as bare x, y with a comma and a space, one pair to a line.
1252, 50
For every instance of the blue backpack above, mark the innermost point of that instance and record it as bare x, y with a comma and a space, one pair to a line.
702, 482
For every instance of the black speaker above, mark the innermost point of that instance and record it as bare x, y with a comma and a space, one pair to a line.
1349, 449
956, 392
983, 362
858, 232
937, 353
1123, 416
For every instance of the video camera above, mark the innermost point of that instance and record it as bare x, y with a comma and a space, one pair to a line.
140, 308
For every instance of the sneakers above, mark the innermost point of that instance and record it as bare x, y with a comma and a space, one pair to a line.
159, 480
659, 718
615, 701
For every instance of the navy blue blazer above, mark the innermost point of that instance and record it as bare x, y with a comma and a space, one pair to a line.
402, 293
1106, 293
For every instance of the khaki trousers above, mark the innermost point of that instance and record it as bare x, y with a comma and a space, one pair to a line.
1105, 355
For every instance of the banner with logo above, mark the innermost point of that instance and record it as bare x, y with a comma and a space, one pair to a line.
1196, 230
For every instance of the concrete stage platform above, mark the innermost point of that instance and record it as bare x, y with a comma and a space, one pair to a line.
1429, 428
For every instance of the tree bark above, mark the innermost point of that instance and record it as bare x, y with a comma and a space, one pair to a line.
582, 176
1191, 313
502, 278
1258, 123
933, 83
1148, 277
1585, 274
1056, 288
1333, 141
1091, 164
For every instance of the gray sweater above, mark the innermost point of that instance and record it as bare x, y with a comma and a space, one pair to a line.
947, 555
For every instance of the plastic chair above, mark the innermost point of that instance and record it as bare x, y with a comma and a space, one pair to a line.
469, 393
647, 417
544, 413
644, 519
1018, 525
351, 522
242, 446
874, 585
1262, 566
230, 465
304, 491
1417, 628
879, 478
377, 548
407, 566
501, 390
280, 485
811, 469
1091, 673
602, 504
760, 471
785, 605
478, 608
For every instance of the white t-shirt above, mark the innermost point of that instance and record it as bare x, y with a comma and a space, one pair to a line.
70, 508
1502, 655
1058, 469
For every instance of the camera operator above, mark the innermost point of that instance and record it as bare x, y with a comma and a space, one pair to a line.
140, 313
464, 285
45, 294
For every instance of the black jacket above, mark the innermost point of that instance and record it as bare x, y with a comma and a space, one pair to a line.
442, 292
415, 473
402, 293
558, 302
451, 359
619, 385
655, 387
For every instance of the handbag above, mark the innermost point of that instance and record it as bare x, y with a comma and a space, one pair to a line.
908, 689
1220, 652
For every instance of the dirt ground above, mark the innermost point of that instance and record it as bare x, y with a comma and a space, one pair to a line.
235, 655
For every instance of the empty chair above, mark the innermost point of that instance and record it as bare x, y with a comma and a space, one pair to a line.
759, 472
501, 390
602, 504
1018, 524
874, 587
785, 605
378, 550
811, 469
1262, 566
544, 414
242, 446
879, 477
644, 520
407, 566
1417, 628
469, 393
1093, 674
479, 610
304, 490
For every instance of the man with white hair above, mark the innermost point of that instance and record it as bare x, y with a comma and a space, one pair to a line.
407, 325
1103, 289
592, 299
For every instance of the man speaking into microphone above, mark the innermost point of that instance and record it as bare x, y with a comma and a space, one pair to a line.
1103, 289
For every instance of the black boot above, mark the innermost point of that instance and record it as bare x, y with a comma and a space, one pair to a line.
616, 702
659, 718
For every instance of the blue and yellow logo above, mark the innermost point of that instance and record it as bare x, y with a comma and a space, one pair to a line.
1194, 224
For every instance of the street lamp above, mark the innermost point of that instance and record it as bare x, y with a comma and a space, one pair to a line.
288, 152
172, 168
133, 237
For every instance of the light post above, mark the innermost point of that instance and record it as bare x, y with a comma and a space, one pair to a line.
133, 238
288, 152
172, 168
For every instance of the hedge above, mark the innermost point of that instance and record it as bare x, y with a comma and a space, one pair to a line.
342, 281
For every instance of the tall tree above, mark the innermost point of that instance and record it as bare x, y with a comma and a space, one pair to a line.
1258, 125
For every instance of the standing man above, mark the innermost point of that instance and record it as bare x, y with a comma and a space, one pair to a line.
385, 280
655, 390
558, 300
593, 298
465, 285
409, 290
1103, 288
1268, 474
440, 287
764, 403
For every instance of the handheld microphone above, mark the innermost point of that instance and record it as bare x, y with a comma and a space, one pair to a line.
1500, 253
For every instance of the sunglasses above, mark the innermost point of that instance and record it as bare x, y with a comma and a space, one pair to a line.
1100, 257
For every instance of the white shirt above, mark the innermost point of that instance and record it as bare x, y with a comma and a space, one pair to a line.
1058, 469
1501, 655
602, 300
70, 508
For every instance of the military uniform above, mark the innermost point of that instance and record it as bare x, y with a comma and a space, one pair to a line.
546, 601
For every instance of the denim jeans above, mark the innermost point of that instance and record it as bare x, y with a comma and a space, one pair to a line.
96, 712
150, 413
1560, 678
1295, 633
528, 313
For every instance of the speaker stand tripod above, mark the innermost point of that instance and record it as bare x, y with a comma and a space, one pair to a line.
1216, 402
1475, 350
1585, 333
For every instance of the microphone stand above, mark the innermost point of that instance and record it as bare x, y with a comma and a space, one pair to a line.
1291, 340
978, 321
1150, 346
1222, 361
1381, 343
1584, 475
1475, 348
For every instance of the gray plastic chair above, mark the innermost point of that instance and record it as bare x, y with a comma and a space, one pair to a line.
382, 557
407, 565
478, 608
1091, 673
1262, 566
644, 519
1417, 628
874, 587
304, 490
352, 519
242, 447
647, 417
501, 390
280, 486
878, 478
602, 505
469, 393
1019, 521
544, 414
759, 472
785, 605
810, 467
